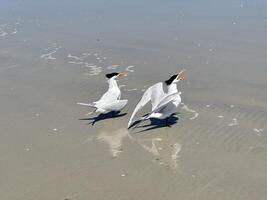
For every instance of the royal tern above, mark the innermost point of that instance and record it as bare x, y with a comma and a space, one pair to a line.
110, 101
163, 104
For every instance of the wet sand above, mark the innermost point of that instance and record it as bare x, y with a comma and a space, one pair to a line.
217, 145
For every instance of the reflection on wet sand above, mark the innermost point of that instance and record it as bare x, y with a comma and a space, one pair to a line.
164, 151
114, 140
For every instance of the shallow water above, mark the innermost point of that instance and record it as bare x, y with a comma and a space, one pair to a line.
55, 54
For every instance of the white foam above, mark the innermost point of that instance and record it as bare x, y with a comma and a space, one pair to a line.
220, 116
48, 56
121, 86
129, 90
234, 122
75, 57
111, 67
94, 69
14, 32
76, 63
258, 131
196, 114
3, 34
53, 49
129, 69
8, 29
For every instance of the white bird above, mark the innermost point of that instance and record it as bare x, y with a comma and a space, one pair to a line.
163, 104
110, 101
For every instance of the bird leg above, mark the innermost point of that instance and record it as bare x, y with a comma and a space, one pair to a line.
167, 122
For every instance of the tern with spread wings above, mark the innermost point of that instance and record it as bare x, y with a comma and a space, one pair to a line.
110, 101
163, 104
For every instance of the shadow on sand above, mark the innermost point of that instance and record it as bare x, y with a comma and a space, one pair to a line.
157, 123
101, 117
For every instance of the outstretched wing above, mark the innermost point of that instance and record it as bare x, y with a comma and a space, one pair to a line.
157, 94
154, 94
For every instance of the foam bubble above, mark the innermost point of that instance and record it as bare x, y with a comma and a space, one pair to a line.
258, 131
53, 49
129, 90
94, 69
75, 57
234, 122
111, 67
196, 114
129, 68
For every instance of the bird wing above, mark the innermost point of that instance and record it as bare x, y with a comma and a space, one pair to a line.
157, 94
109, 96
154, 94
115, 105
167, 99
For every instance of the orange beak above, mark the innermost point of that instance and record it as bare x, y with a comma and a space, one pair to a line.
122, 74
181, 75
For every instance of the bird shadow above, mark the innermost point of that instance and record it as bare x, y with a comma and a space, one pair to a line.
157, 123
102, 117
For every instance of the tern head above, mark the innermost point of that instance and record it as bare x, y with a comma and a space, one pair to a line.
114, 75
176, 78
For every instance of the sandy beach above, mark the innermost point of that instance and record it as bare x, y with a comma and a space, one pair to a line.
55, 54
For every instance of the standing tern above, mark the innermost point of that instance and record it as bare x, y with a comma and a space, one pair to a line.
163, 104
110, 101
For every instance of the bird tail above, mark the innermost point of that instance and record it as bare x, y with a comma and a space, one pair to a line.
87, 104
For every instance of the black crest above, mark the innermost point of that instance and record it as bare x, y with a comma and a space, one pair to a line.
111, 75
170, 80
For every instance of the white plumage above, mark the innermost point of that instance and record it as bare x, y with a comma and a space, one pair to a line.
163, 104
110, 101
